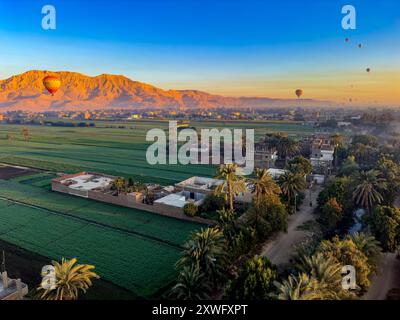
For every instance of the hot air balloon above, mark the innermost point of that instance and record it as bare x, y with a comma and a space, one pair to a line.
52, 84
368, 69
347, 40
299, 93
360, 45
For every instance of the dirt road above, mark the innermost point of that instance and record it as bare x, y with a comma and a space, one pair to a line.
387, 278
280, 249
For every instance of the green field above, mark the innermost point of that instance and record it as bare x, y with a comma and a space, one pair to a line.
133, 249
137, 263
120, 152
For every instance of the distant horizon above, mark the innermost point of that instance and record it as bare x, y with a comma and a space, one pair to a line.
228, 48
269, 100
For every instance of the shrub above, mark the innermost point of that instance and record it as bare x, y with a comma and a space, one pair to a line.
190, 209
213, 203
254, 281
385, 226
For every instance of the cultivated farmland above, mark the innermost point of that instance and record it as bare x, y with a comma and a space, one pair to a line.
140, 264
134, 249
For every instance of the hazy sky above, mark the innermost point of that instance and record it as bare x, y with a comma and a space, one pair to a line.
229, 47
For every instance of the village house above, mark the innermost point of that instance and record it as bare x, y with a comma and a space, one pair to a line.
264, 156
322, 153
12, 289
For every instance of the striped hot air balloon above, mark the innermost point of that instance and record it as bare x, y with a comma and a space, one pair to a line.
52, 84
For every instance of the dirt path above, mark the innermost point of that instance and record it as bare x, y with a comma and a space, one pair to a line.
280, 249
387, 278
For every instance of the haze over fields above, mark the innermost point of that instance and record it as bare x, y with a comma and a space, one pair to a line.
26, 92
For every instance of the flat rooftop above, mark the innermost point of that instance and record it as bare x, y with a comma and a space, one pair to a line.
200, 183
87, 182
174, 200
12, 289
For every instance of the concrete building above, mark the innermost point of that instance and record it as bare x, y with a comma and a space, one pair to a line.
82, 183
264, 156
197, 188
276, 173
322, 153
169, 201
180, 199
199, 185
12, 289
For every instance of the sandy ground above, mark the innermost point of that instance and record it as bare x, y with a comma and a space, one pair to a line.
387, 278
281, 248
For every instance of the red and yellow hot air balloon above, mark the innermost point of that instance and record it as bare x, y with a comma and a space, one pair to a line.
52, 84
299, 93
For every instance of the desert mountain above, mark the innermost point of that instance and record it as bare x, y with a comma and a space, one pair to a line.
26, 92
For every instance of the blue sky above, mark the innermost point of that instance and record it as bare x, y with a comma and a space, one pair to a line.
252, 47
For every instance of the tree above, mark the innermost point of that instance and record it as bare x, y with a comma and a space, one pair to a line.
365, 140
384, 223
297, 287
191, 285
120, 184
213, 203
268, 216
349, 167
288, 148
330, 215
291, 185
206, 250
71, 278
390, 171
337, 140
234, 184
190, 209
326, 272
148, 196
368, 190
345, 252
368, 245
300, 165
254, 281
264, 186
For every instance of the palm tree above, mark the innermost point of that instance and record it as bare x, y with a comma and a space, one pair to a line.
300, 287
337, 140
326, 272
70, 279
234, 184
191, 285
264, 185
206, 250
368, 245
291, 185
288, 148
367, 192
